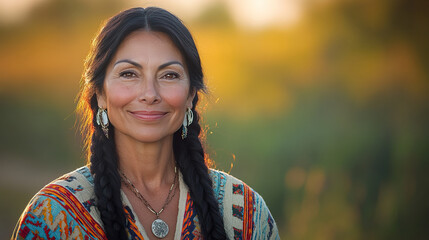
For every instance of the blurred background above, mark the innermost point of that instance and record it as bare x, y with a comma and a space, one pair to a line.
320, 105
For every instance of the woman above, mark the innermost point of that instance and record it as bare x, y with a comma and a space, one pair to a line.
146, 177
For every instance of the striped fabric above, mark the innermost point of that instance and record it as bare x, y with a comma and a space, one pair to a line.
65, 209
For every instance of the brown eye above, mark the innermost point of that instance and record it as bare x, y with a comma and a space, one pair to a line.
170, 76
127, 74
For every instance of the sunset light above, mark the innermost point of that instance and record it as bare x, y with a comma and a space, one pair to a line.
321, 106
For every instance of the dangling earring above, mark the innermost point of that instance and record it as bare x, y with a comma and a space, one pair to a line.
103, 121
189, 117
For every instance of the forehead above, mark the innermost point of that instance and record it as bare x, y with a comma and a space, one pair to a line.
148, 47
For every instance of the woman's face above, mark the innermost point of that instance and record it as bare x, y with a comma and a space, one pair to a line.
146, 88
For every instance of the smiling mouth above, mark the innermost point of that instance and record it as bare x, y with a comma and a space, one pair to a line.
148, 115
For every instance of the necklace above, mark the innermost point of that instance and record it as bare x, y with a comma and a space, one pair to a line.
159, 227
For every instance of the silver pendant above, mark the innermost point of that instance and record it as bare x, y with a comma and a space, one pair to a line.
159, 228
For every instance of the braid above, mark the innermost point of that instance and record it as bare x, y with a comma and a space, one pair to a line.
107, 185
190, 159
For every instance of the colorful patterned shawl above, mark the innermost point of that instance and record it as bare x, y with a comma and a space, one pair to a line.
65, 209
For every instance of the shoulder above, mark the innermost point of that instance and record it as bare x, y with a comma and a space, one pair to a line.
245, 213
72, 188
226, 186
65, 208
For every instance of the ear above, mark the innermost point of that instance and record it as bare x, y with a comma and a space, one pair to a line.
101, 100
191, 98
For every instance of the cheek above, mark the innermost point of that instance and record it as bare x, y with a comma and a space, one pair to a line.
118, 95
176, 97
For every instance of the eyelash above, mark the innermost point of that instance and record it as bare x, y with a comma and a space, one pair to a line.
131, 74
174, 74
128, 74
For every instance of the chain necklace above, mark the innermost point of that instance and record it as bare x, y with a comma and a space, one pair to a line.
159, 227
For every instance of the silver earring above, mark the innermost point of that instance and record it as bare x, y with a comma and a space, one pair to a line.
187, 120
103, 121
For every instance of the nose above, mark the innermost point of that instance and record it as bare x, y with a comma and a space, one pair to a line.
150, 91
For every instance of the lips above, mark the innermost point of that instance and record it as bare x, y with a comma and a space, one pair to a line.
148, 115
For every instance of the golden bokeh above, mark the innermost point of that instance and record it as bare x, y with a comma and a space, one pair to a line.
321, 106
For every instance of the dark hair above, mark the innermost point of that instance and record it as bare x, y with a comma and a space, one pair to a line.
102, 155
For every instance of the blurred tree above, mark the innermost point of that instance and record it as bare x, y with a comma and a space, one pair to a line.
326, 119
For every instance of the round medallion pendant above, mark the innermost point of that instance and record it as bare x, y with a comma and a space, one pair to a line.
159, 228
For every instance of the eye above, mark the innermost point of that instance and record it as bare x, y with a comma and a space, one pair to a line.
170, 76
127, 74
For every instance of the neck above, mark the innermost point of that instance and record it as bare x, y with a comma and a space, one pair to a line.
150, 165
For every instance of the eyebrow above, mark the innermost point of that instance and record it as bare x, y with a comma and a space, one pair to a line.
130, 62
140, 66
170, 63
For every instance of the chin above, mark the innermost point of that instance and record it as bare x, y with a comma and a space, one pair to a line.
144, 135
151, 138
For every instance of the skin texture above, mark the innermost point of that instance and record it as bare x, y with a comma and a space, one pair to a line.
146, 92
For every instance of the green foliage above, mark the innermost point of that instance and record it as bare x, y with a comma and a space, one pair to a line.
326, 119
